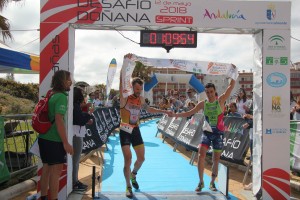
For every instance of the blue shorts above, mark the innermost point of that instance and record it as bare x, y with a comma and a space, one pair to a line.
215, 138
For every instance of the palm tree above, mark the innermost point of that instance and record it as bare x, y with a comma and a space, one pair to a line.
4, 24
142, 71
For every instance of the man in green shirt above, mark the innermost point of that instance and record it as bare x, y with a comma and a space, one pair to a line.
54, 145
213, 109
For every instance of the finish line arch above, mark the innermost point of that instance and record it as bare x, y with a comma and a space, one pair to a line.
269, 24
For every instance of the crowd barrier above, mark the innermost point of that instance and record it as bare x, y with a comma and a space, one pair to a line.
106, 120
295, 146
188, 133
16, 138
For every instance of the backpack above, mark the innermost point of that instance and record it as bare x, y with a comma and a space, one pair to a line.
40, 119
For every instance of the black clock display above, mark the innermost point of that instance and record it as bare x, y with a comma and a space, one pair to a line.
154, 38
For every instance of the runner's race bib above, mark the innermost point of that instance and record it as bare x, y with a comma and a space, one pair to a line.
126, 127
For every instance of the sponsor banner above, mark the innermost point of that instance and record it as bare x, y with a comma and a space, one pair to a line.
211, 68
188, 134
175, 127
92, 139
276, 123
4, 173
276, 48
163, 123
295, 146
115, 116
105, 121
187, 13
236, 140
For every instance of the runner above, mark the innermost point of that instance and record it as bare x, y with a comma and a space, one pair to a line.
212, 130
130, 133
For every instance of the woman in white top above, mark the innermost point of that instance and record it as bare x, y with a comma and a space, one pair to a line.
242, 102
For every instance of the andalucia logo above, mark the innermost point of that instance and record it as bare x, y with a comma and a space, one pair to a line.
276, 42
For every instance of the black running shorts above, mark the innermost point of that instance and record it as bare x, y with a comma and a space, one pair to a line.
134, 138
52, 152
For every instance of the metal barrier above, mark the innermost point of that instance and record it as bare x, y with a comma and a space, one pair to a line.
18, 138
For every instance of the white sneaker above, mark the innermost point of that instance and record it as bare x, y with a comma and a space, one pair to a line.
248, 187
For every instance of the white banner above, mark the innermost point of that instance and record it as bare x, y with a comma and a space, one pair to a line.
112, 68
211, 68
276, 107
179, 13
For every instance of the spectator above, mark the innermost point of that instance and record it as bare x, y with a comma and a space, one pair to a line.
233, 110
190, 98
182, 98
98, 99
296, 110
147, 101
176, 104
164, 105
242, 102
79, 120
292, 105
116, 101
54, 145
90, 102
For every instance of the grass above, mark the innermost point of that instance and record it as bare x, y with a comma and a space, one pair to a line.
18, 143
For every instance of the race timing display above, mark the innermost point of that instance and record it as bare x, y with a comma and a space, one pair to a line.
154, 38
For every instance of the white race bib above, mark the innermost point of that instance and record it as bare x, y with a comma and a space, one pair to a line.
126, 127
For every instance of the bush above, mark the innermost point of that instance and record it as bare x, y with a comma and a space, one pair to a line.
17, 98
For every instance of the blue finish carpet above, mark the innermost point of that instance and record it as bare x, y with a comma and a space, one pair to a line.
163, 170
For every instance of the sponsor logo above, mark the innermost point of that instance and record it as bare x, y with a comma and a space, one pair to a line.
276, 103
114, 11
276, 79
216, 68
276, 60
276, 183
276, 42
276, 131
173, 19
179, 64
225, 15
271, 12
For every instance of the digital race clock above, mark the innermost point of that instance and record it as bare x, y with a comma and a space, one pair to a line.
154, 38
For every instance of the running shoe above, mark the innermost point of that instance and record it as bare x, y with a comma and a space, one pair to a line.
78, 186
212, 187
199, 187
129, 193
134, 182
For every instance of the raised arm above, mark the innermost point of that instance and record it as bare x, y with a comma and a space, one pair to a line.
228, 91
122, 99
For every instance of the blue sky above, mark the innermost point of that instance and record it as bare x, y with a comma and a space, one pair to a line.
94, 49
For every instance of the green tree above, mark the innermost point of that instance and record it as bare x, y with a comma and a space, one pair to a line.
102, 88
4, 23
142, 71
